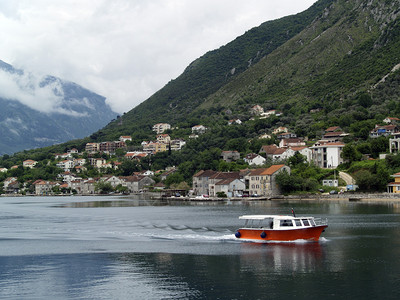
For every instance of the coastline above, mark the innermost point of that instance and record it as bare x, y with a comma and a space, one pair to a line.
346, 197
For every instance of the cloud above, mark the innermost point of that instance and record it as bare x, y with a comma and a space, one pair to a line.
125, 50
28, 89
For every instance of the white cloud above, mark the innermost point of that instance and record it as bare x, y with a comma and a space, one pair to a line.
125, 50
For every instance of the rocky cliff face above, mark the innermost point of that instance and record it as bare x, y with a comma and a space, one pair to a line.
42, 111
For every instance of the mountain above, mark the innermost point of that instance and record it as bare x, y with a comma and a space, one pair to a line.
37, 112
338, 57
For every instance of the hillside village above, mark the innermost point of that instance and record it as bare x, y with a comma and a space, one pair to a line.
257, 178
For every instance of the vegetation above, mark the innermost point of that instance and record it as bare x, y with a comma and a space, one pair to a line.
332, 65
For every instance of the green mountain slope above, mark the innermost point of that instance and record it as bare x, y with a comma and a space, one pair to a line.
210, 72
342, 54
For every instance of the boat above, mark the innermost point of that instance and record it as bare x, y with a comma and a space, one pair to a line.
281, 228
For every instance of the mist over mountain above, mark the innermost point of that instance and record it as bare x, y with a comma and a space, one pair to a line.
38, 111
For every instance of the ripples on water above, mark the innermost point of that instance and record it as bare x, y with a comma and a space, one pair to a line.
113, 248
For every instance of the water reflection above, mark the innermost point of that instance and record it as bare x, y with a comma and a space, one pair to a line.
281, 257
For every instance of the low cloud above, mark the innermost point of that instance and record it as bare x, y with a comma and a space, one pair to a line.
29, 90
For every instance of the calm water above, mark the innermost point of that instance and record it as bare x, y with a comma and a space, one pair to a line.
116, 248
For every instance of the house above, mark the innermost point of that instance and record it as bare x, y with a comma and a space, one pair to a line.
264, 136
256, 110
273, 152
232, 187
163, 138
83, 187
161, 127
327, 154
286, 135
137, 155
73, 151
262, 181
201, 182
66, 165
390, 120
280, 129
165, 174
303, 150
92, 147
43, 187
385, 130
225, 177
97, 162
113, 180
110, 147
254, 159
230, 156
3, 170
330, 182
269, 150
269, 113
177, 144
11, 185
154, 147
293, 142
136, 184
234, 121
334, 134
394, 187
29, 163
394, 143
199, 129
124, 138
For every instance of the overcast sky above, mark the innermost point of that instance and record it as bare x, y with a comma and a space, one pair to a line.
125, 50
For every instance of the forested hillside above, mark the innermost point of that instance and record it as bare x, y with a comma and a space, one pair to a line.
335, 64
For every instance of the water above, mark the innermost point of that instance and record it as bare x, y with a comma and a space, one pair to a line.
117, 248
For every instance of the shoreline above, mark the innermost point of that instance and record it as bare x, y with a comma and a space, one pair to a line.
354, 197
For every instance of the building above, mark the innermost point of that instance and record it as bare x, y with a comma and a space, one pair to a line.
136, 184
394, 143
29, 163
92, 147
390, 120
254, 159
124, 138
163, 138
230, 156
201, 182
262, 181
327, 154
199, 129
394, 187
385, 130
161, 127
224, 178
293, 142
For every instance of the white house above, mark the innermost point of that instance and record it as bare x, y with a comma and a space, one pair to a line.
254, 159
327, 154
199, 129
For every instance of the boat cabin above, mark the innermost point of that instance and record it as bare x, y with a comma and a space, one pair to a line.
279, 222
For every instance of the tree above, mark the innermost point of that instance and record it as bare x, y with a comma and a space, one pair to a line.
350, 153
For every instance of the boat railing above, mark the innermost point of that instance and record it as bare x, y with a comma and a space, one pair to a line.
321, 221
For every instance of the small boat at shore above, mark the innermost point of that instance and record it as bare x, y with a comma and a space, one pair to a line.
281, 228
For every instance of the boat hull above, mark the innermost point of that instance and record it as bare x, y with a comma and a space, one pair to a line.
309, 233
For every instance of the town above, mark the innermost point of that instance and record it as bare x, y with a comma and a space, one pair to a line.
257, 179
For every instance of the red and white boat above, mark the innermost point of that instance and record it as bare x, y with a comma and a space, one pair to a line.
281, 228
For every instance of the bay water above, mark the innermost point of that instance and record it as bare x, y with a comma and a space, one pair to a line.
115, 247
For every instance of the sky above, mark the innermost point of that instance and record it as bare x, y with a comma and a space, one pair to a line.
124, 50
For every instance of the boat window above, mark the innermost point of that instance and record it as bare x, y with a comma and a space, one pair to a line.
286, 223
297, 221
305, 222
312, 222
